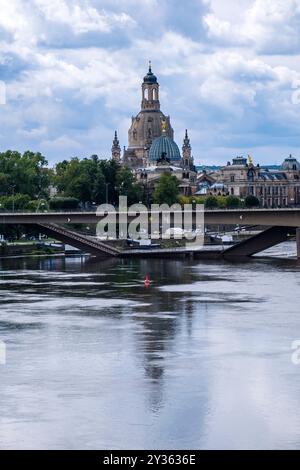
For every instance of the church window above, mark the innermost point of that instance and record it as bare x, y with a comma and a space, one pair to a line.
146, 94
251, 175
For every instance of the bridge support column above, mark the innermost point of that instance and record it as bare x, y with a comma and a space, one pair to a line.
298, 243
264, 240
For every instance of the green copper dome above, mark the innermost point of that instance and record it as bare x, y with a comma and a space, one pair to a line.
164, 145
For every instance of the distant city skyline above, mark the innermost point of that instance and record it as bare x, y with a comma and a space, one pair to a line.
230, 74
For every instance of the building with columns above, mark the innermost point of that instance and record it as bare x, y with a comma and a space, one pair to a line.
242, 178
152, 151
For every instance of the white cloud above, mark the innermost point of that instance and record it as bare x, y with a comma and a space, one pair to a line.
63, 141
14, 19
41, 21
35, 133
81, 19
268, 26
73, 71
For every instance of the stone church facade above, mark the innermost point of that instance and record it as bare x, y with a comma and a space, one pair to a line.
146, 126
151, 147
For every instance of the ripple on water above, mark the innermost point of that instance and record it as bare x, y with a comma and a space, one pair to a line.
201, 359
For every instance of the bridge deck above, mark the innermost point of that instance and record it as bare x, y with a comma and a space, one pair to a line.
264, 217
48, 222
205, 252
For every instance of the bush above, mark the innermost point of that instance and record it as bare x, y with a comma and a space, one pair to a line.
197, 199
40, 205
252, 201
184, 200
222, 202
63, 203
233, 202
211, 202
17, 202
167, 190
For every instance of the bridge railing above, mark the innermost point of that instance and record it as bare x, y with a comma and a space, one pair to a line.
81, 211
69, 211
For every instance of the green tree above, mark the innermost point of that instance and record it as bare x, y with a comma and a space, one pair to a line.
82, 179
24, 174
222, 201
94, 180
233, 202
211, 202
110, 169
197, 199
70, 180
127, 186
18, 202
252, 201
12, 232
167, 190
63, 203
183, 200
38, 205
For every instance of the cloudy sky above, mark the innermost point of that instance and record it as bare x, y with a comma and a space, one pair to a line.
229, 72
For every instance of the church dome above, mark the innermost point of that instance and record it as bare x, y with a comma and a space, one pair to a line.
150, 77
291, 163
164, 145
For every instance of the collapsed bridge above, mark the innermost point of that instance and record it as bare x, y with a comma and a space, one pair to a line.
280, 224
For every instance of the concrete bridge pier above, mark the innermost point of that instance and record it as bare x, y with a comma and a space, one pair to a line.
262, 241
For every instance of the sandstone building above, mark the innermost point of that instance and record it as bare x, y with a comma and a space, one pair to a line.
151, 147
241, 178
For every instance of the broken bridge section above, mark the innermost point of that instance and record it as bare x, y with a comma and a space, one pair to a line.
84, 243
260, 242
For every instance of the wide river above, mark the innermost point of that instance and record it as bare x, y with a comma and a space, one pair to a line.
201, 359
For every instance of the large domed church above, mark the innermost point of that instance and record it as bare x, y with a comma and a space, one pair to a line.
151, 147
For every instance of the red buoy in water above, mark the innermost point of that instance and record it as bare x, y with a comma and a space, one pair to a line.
147, 281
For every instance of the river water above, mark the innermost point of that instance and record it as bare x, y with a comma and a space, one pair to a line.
199, 360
